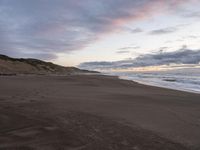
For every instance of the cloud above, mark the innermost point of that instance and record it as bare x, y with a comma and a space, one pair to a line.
123, 52
195, 14
163, 48
182, 56
163, 31
191, 37
130, 47
135, 30
59, 26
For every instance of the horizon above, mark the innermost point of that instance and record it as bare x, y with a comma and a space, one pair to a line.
130, 34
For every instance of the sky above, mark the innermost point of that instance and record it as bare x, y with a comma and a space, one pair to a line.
102, 33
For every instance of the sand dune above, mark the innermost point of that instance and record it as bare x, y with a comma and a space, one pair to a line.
12, 66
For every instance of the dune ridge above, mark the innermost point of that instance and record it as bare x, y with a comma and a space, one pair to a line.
13, 66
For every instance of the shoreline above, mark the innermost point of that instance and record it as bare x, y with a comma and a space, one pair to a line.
155, 84
160, 86
49, 108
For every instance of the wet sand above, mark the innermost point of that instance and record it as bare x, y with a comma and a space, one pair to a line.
94, 112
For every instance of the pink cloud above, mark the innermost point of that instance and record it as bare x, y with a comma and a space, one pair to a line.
66, 25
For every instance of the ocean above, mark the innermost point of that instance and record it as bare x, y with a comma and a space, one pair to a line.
184, 80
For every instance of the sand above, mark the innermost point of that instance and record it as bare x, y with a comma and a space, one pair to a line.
95, 112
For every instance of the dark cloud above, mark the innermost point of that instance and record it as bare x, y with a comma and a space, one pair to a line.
195, 14
182, 56
191, 37
58, 26
128, 48
164, 31
163, 48
135, 30
28, 54
123, 52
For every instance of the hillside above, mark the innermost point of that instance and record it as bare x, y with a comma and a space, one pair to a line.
11, 66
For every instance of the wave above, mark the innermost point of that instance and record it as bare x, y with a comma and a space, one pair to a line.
171, 80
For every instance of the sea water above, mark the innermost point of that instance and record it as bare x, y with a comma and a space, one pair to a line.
179, 80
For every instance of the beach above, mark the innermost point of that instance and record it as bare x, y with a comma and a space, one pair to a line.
95, 112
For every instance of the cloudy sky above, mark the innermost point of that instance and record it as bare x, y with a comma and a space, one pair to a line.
110, 33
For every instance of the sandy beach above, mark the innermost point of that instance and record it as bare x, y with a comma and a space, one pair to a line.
95, 112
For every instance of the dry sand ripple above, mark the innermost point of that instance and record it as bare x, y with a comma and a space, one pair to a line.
73, 131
